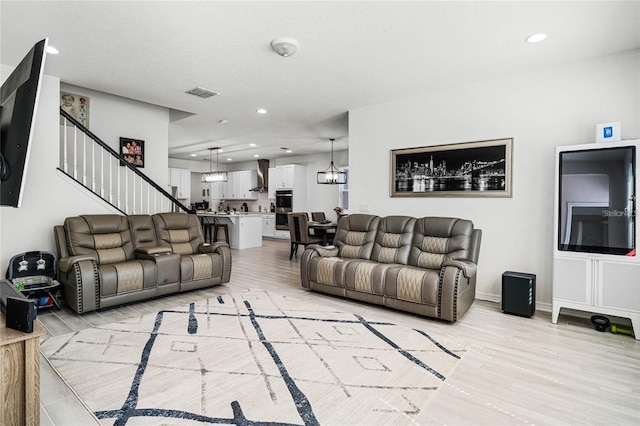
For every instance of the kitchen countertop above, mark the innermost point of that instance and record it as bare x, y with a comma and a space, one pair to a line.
231, 214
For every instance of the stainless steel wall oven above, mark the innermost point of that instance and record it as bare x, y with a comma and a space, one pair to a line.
284, 205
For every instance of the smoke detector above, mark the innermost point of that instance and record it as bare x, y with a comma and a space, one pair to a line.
285, 46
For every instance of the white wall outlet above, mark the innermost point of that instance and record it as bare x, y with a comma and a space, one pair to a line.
364, 208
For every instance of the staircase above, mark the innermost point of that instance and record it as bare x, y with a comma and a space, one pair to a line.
103, 172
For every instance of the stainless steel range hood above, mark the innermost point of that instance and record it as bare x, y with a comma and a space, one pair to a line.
263, 176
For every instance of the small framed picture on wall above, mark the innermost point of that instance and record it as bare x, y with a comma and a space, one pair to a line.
132, 151
77, 106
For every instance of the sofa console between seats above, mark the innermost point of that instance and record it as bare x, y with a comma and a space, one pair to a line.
426, 266
108, 260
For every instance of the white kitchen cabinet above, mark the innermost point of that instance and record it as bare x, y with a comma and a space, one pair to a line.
243, 182
244, 230
271, 193
291, 176
238, 186
181, 179
268, 225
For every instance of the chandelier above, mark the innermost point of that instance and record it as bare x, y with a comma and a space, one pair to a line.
331, 175
213, 176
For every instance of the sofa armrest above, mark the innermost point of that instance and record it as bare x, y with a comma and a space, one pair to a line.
211, 248
66, 263
79, 279
153, 250
324, 251
468, 268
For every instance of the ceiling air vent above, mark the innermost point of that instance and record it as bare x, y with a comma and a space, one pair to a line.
203, 93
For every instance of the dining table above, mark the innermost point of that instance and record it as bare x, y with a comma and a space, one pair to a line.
326, 227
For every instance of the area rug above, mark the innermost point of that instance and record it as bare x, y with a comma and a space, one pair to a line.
254, 358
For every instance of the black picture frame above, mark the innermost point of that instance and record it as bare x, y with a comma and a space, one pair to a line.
132, 151
469, 169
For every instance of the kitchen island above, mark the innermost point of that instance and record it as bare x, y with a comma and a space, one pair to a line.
245, 229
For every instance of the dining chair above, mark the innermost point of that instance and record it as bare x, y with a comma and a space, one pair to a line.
318, 216
299, 232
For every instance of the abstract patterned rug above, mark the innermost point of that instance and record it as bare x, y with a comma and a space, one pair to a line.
253, 358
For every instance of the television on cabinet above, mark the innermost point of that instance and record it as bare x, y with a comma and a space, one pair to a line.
19, 104
596, 192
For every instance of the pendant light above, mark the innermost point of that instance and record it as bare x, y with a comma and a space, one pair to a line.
214, 176
331, 175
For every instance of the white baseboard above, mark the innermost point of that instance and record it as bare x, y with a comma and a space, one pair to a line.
496, 298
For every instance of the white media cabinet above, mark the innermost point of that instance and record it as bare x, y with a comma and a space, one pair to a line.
587, 275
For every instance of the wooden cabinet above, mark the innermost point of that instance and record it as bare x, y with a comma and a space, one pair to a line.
181, 179
291, 176
20, 378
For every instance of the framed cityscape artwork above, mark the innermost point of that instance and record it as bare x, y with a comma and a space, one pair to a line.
470, 169
132, 151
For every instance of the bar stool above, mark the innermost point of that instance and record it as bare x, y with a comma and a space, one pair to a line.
219, 226
208, 231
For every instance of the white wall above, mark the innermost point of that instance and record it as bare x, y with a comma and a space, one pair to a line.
540, 110
112, 117
49, 197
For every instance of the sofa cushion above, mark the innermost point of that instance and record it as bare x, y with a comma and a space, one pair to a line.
200, 266
393, 240
438, 238
181, 232
143, 231
366, 276
355, 236
126, 277
105, 237
412, 284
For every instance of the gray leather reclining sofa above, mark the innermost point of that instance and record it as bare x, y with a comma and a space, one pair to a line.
107, 260
425, 266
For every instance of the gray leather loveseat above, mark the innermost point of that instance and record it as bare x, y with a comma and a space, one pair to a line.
107, 260
426, 266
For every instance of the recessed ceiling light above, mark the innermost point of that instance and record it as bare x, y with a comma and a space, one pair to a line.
52, 50
261, 111
535, 38
252, 144
223, 121
289, 151
194, 155
256, 155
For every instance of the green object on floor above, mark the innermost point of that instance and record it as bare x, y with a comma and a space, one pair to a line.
618, 329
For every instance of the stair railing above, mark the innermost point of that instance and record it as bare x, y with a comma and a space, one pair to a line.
105, 173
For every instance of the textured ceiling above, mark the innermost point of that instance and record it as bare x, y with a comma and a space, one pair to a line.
351, 54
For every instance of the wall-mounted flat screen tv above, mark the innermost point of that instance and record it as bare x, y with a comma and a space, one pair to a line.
597, 190
19, 100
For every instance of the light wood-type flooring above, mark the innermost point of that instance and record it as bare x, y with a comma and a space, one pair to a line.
517, 371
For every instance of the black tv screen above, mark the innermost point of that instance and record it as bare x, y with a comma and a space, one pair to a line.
597, 200
19, 104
